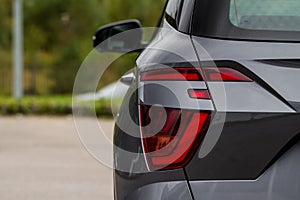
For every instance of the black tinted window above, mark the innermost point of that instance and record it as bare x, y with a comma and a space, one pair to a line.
173, 12
266, 20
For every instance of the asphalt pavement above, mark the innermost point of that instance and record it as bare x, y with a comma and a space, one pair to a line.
42, 158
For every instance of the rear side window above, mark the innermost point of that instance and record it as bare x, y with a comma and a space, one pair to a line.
274, 15
173, 12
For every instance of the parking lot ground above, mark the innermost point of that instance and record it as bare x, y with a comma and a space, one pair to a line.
43, 158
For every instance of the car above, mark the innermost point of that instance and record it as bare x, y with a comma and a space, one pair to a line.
212, 111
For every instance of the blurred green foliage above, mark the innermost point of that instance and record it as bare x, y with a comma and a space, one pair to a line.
48, 105
57, 37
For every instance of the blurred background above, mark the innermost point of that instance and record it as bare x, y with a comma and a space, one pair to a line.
41, 156
57, 37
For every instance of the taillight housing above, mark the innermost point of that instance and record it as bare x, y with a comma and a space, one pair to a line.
174, 145
180, 130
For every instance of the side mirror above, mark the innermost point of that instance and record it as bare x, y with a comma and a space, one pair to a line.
109, 38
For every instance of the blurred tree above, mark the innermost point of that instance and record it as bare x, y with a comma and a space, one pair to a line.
5, 46
147, 11
5, 24
57, 37
59, 28
64, 69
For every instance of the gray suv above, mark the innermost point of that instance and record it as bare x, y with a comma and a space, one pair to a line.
215, 102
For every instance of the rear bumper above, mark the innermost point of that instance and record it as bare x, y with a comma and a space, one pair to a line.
164, 190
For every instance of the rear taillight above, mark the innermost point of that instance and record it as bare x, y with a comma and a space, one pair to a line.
171, 135
174, 74
194, 74
174, 145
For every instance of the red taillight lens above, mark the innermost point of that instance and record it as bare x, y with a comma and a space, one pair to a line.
224, 74
174, 74
193, 74
199, 94
174, 145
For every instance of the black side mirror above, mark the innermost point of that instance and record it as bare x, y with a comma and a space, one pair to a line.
109, 38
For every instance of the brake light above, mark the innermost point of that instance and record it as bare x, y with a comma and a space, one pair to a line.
199, 94
174, 74
224, 74
174, 145
193, 74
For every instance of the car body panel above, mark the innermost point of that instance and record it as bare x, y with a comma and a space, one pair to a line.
131, 171
280, 181
259, 119
219, 49
165, 190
